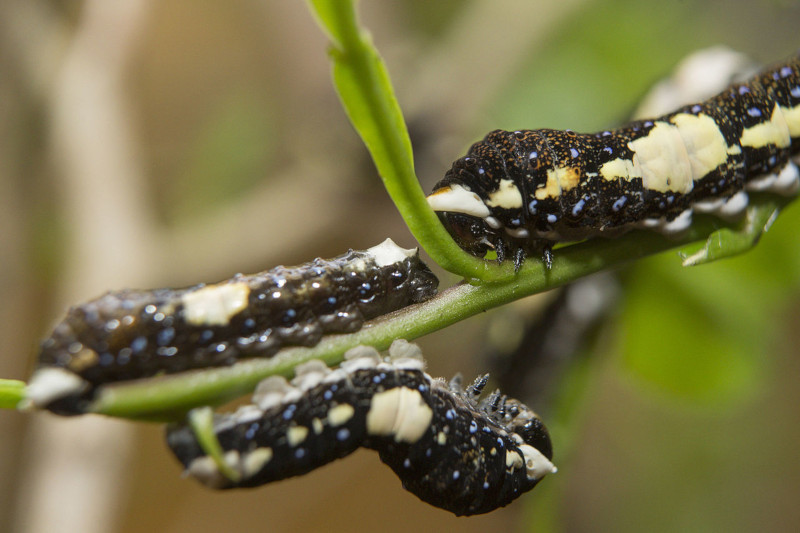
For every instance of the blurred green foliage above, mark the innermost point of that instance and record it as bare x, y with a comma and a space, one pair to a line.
228, 155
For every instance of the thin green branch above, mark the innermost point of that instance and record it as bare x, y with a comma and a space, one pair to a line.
201, 421
363, 84
171, 397
12, 392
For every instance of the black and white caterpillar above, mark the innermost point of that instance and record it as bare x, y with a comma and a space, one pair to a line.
134, 334
447, 447
519, 193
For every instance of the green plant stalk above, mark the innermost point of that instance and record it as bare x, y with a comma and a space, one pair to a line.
201, 421
170, 397
12, 392
365, 90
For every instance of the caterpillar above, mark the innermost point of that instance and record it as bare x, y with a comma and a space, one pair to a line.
135, 334
519, 193
447, 447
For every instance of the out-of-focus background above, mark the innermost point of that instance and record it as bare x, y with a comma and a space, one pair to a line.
166, 143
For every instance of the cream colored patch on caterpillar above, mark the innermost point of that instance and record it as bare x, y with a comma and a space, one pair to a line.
672, 155
400, 413
254, 461
704, 142
776, 131
215, 305
514, 461
296, 435
506, 195
792, 117
663, 159
559, 179
620, 169
340, 414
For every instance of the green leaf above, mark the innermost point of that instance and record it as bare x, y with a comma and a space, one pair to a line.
690, 334
727, 242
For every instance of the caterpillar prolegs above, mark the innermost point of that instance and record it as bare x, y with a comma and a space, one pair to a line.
518, 193
449, 448
135, 334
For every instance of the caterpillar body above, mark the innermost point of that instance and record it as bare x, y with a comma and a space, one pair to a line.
518, 193
135, 333
448, 448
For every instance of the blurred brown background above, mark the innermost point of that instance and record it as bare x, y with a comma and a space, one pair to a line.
166, 143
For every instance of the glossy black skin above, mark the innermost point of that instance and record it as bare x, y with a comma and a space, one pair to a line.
463, 476
271, 431
599, 207
460, 475
151, 335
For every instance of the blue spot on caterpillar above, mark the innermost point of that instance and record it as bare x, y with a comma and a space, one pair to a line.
517, 193
447, 447
136, 334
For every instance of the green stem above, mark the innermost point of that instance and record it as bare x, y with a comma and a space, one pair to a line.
170, 397
363, 84
201, 421
12, 392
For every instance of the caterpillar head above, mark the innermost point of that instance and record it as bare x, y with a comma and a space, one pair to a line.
472, 233
483, 200
469, 222
527, 424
